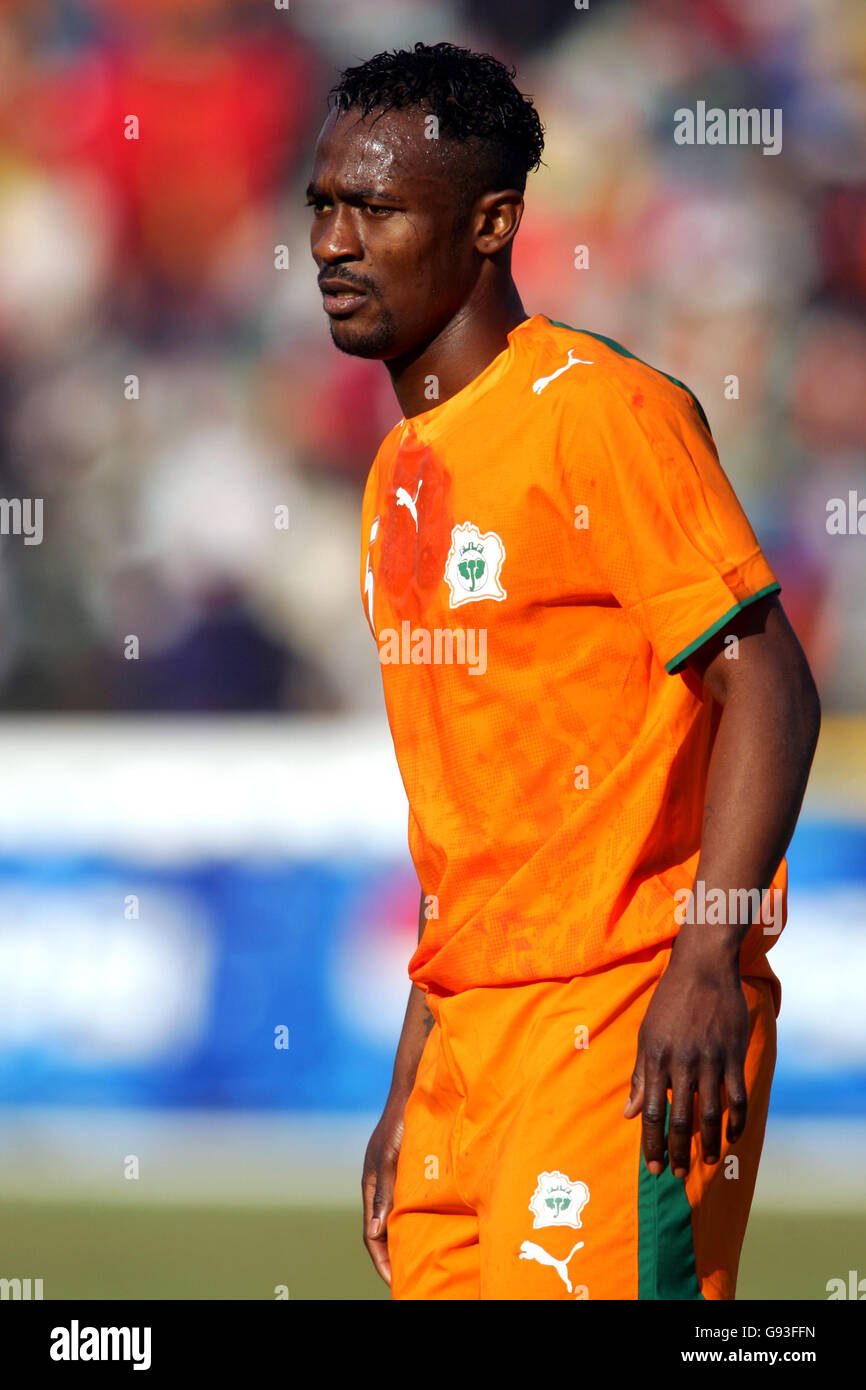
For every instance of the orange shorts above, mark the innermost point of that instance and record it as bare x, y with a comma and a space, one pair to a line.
519, 1177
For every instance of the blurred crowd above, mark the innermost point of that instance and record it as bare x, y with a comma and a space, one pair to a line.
167, 382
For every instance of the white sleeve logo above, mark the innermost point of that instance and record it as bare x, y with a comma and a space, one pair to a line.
368, 574
539, 385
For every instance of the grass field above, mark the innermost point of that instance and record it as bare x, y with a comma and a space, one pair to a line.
128, 1252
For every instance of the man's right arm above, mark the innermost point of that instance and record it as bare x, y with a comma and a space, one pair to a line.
380, 1162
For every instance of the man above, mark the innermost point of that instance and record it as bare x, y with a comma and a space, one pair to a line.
597, 706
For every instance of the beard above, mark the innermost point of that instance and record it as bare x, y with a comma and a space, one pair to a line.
376, 341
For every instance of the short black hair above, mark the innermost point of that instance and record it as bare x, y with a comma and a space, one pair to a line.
473, 97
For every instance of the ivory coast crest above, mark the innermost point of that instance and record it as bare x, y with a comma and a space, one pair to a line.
557, 1201
473, 565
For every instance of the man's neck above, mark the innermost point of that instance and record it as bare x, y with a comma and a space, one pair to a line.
467, 344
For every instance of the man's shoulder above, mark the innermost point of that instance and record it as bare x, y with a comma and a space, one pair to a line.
572, 362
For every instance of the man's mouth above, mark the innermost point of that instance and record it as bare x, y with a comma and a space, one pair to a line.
340, 298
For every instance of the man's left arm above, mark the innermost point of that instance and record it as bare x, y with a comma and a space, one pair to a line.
696, 1030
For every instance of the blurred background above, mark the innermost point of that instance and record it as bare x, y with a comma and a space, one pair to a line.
206, 900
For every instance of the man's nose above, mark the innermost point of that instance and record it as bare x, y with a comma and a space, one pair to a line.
336, 239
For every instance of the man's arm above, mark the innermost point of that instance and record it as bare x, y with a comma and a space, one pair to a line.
380, 1162
696, 1029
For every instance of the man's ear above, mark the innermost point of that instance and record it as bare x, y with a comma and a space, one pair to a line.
498, 217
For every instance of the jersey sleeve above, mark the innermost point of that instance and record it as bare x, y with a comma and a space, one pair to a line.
664, 527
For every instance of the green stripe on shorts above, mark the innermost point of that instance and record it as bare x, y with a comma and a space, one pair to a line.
666, 1250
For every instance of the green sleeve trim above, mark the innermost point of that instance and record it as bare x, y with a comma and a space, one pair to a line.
676, 662
624, 352
666, 1248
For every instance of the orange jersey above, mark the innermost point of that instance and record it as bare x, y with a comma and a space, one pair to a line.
540, 554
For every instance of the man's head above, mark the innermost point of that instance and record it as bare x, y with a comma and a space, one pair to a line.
417, 192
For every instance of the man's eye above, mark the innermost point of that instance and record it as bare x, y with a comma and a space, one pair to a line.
317, 204
377, 210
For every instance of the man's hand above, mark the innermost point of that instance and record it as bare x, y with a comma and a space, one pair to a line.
383, 1150
692, 1041
377, 1187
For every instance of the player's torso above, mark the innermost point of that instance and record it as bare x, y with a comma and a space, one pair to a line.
505, 660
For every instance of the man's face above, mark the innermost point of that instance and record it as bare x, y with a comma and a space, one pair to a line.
395, 262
